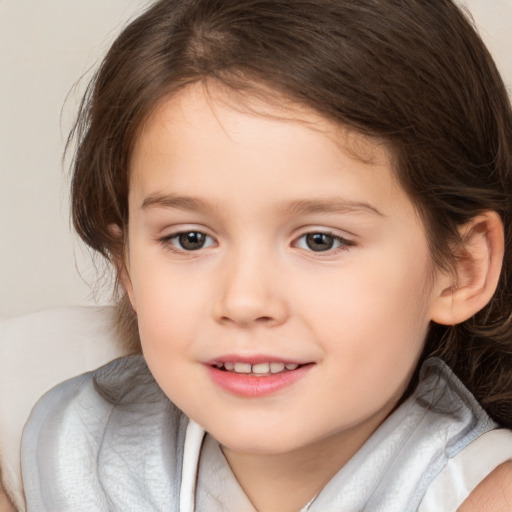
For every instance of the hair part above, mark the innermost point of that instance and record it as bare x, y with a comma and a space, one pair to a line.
412, 73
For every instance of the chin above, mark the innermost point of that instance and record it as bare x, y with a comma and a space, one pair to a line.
260, 441
253, 446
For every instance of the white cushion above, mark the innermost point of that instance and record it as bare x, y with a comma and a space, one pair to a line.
38, 351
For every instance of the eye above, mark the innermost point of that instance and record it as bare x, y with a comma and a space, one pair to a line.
189, 241
321, 242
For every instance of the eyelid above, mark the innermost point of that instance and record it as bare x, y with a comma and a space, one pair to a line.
173, 230
344, 241
167, 240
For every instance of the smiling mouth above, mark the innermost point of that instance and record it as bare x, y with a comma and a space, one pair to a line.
258, 369
256, 377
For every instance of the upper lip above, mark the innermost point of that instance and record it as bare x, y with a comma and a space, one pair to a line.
254, 359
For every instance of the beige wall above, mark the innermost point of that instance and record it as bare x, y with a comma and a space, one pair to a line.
45, 46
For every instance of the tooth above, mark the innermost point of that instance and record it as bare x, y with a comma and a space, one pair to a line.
291, 366
229, 366
242, 368
276, 367
261, 368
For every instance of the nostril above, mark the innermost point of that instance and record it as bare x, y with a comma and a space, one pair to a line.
241, 320
243, 310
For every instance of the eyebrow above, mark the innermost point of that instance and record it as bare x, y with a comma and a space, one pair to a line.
158, 200
330, 205
295, 207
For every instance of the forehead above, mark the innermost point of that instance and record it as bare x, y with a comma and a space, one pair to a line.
208, 133
204, 98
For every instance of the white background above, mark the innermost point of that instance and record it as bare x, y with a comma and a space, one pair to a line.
45, 47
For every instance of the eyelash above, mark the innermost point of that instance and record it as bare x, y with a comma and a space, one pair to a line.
169, 242
343, 243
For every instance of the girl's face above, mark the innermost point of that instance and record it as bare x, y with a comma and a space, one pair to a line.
283, 285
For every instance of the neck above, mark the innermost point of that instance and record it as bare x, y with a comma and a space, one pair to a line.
285, 482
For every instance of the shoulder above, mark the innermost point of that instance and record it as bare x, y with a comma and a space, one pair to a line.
94, 394
86, 429
468, 470
493, 494
90, 402
81, 408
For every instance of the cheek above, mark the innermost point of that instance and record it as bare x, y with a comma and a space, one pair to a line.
167, 322
375, 314
166, 303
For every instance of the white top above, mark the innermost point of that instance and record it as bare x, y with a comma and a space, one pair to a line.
466, 470
203, 457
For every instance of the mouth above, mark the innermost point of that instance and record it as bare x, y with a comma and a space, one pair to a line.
256, 369
256, 377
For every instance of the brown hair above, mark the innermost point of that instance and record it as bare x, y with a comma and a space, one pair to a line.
411, 72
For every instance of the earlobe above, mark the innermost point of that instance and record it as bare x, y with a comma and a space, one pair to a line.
121, 263
126, 283
478, 259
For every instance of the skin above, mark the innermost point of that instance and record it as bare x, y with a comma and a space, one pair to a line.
493, 494
5, 503
256, 180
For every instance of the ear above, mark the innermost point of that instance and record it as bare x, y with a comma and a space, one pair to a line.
479, 259
123, 273
121, 263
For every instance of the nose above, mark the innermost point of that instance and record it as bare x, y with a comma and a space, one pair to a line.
250, 293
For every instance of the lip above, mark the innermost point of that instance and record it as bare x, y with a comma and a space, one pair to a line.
253, 359
253, 386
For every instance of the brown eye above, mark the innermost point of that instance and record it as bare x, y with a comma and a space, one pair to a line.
322, 242
319, 241
189, 241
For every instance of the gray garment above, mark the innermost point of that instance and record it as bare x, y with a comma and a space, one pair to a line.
111, 441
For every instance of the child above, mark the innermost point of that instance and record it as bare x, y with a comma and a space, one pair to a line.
305, 201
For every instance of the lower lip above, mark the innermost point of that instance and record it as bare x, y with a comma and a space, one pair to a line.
249, 385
